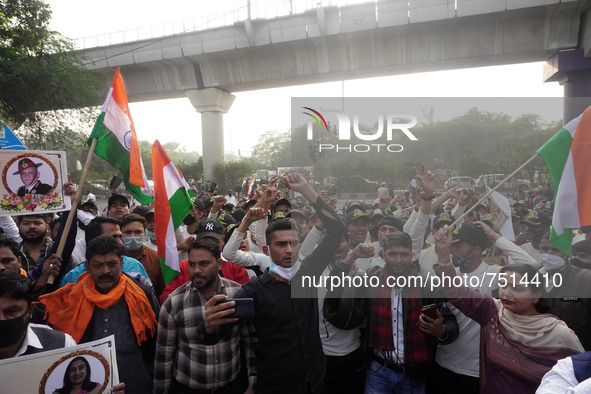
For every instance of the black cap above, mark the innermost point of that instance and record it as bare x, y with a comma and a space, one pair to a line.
198, 204
238, 214
392, 221
141, 210
117, 197
282, 201
356, 214
443, 217
469, 233
295, 212
209, 228
536, 218
226, 219
228, 206
249, 203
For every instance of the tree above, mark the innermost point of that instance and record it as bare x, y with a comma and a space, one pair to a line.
192, 172
227, 175
273, 150
39, 68
474, 166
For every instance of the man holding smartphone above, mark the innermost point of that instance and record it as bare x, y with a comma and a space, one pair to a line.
289, 357
184, 363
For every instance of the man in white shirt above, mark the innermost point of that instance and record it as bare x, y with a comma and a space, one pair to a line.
20, 337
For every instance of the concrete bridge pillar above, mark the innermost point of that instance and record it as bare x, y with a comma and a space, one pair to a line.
573, 71
212, 104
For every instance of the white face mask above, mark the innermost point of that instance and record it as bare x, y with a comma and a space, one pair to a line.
285, 273
551, 262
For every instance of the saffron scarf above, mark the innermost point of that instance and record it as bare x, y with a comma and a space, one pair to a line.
70, 308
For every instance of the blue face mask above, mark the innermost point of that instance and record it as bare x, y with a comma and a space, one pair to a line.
462, 262
132, 243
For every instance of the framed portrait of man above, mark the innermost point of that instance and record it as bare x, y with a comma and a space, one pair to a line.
32, 182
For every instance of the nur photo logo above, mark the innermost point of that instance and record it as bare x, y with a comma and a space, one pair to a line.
347, 130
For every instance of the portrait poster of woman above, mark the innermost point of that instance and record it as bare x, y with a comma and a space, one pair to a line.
80, 372
48, 372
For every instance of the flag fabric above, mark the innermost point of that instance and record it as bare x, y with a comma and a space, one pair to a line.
172, 205
189, 190
250, 186
117, 141
568, 158
500, 209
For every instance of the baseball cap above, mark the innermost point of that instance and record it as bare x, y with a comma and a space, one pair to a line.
515, 214
248, 204
279, 215
356, 214
444, 218
488, 219
355, 204
376, 212
238, 214
281, 201
208, 202
469, 233
226, 219
117, 197
198, 203
535, 218
295, 212
392, 221
483, 204
209, 228
520, 203
141, 210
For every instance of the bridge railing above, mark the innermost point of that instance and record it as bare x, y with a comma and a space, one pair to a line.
349, 15
261, 9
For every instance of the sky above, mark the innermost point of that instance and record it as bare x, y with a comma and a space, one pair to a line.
77, 19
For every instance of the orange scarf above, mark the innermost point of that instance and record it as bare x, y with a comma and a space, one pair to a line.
70, 308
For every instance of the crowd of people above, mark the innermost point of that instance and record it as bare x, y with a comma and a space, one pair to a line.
242, 317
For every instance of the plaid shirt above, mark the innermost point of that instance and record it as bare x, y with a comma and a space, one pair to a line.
180, 352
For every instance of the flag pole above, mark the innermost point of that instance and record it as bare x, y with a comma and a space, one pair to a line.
458, 220
76, 200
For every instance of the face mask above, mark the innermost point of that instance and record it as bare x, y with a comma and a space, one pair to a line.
462, 262
12, 330
132, 243
151, 235
285, 273
578, 263
551, 262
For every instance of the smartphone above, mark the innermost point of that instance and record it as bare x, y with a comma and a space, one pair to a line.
115, 182
430, 310
244, 307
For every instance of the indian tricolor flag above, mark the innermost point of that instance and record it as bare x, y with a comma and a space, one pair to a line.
172, 205
117, 141
568, 158
250, 186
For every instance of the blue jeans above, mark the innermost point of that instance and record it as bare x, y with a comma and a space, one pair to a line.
381, 380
